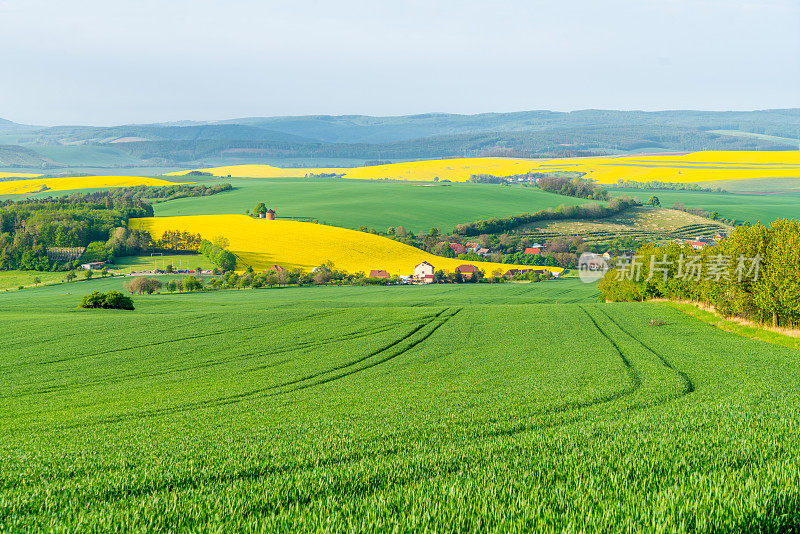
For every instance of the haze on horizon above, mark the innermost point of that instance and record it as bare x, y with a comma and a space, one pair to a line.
104, 63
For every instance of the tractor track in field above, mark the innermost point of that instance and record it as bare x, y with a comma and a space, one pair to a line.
632, 371
688, 384
116, 379
298, 383
525, 426
179, 339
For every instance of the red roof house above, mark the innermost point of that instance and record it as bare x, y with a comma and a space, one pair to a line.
379, 273
277, 269
466, 270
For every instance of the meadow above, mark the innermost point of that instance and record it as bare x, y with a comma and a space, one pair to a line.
752, 208
127, 264
442, 408
375, 204
261, 243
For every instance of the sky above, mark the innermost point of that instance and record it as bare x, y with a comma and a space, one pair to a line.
103, 62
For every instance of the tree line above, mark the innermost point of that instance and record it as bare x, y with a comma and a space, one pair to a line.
753, 274
29, 227
499, 225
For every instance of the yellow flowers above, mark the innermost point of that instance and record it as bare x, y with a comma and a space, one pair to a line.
19, 187
683, 168
4, 174
262, 243
692, 167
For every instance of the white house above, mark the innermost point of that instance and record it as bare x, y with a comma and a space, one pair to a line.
423, 273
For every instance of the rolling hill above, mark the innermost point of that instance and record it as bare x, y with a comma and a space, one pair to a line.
261, 244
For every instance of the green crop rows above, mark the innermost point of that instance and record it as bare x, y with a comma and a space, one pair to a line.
477, 407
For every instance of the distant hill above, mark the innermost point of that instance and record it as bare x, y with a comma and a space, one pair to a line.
433, 135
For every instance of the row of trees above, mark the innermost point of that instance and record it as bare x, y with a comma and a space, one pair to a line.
219, 256
753, 274
665, 186
573, 187
177, 241
498, 225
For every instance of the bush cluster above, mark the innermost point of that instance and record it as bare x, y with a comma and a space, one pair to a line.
113, 300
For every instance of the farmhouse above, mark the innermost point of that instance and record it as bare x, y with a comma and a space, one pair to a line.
536, 248
423, 273
457, 248
472, 247
466, 271
93, 265
379, 273
277, 269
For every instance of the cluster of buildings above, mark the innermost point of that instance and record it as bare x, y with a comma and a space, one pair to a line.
458, 248
698, 243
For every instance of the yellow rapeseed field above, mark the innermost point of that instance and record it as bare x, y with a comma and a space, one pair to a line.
4, 174
19, 187
262, 243
683, 168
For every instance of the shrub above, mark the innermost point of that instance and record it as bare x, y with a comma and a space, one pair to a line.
113, 300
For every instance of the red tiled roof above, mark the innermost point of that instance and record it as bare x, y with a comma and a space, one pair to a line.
466, 268
532, 250
277, 268
379, 273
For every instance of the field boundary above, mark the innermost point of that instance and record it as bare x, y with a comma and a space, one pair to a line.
777, 336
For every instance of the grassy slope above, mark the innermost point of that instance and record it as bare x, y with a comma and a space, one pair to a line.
377, 204
14, 279
752, 208
262, 243
643, 221
126, 264
375, 408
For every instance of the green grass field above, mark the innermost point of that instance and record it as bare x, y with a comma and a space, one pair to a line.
441, 408
127, 264
752, 208
14, 279
377, 204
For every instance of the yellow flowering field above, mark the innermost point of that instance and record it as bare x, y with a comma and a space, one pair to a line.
19, 187
262, 243
683, 168
4, 174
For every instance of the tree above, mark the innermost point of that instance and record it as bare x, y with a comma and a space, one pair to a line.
198, 270
259, 209
434, 231
37, 280
653, 201
172, 286
71, 276
87, 274
190, 283
143, 284
170, 268
321, 276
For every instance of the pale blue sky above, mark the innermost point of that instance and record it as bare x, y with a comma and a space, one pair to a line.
121, 61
